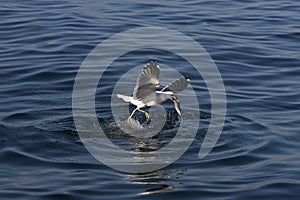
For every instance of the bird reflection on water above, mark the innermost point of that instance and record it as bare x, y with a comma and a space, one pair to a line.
156, 181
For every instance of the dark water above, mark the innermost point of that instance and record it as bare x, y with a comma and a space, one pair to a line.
255, 45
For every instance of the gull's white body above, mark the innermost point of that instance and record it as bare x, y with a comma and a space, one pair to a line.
135, 102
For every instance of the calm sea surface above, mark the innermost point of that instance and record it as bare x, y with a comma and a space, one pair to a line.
255, 45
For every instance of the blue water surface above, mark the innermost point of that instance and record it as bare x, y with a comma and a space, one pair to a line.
255, 45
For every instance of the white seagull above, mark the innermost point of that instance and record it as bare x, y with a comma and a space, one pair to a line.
144, 93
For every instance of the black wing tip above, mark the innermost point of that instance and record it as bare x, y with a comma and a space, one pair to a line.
154, 62
187, 78
151, 62
152, 66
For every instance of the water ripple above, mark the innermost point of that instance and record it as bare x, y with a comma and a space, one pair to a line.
255, 46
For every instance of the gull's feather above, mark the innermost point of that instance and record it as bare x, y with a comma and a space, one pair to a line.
147, 82
177, 86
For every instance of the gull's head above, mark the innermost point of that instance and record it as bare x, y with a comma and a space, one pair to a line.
176, 103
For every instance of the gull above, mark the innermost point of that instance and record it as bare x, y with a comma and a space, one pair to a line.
145, 94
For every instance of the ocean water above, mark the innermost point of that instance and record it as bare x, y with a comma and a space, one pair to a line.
255, 45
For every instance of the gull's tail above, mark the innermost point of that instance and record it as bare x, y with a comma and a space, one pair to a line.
125, 98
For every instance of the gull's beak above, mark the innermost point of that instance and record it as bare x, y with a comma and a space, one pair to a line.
176, 100
176, 104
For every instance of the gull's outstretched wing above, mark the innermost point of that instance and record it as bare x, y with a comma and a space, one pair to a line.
146, 83
178, 85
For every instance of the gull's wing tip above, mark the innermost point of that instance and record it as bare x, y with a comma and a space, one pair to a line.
187, 78
152, 63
